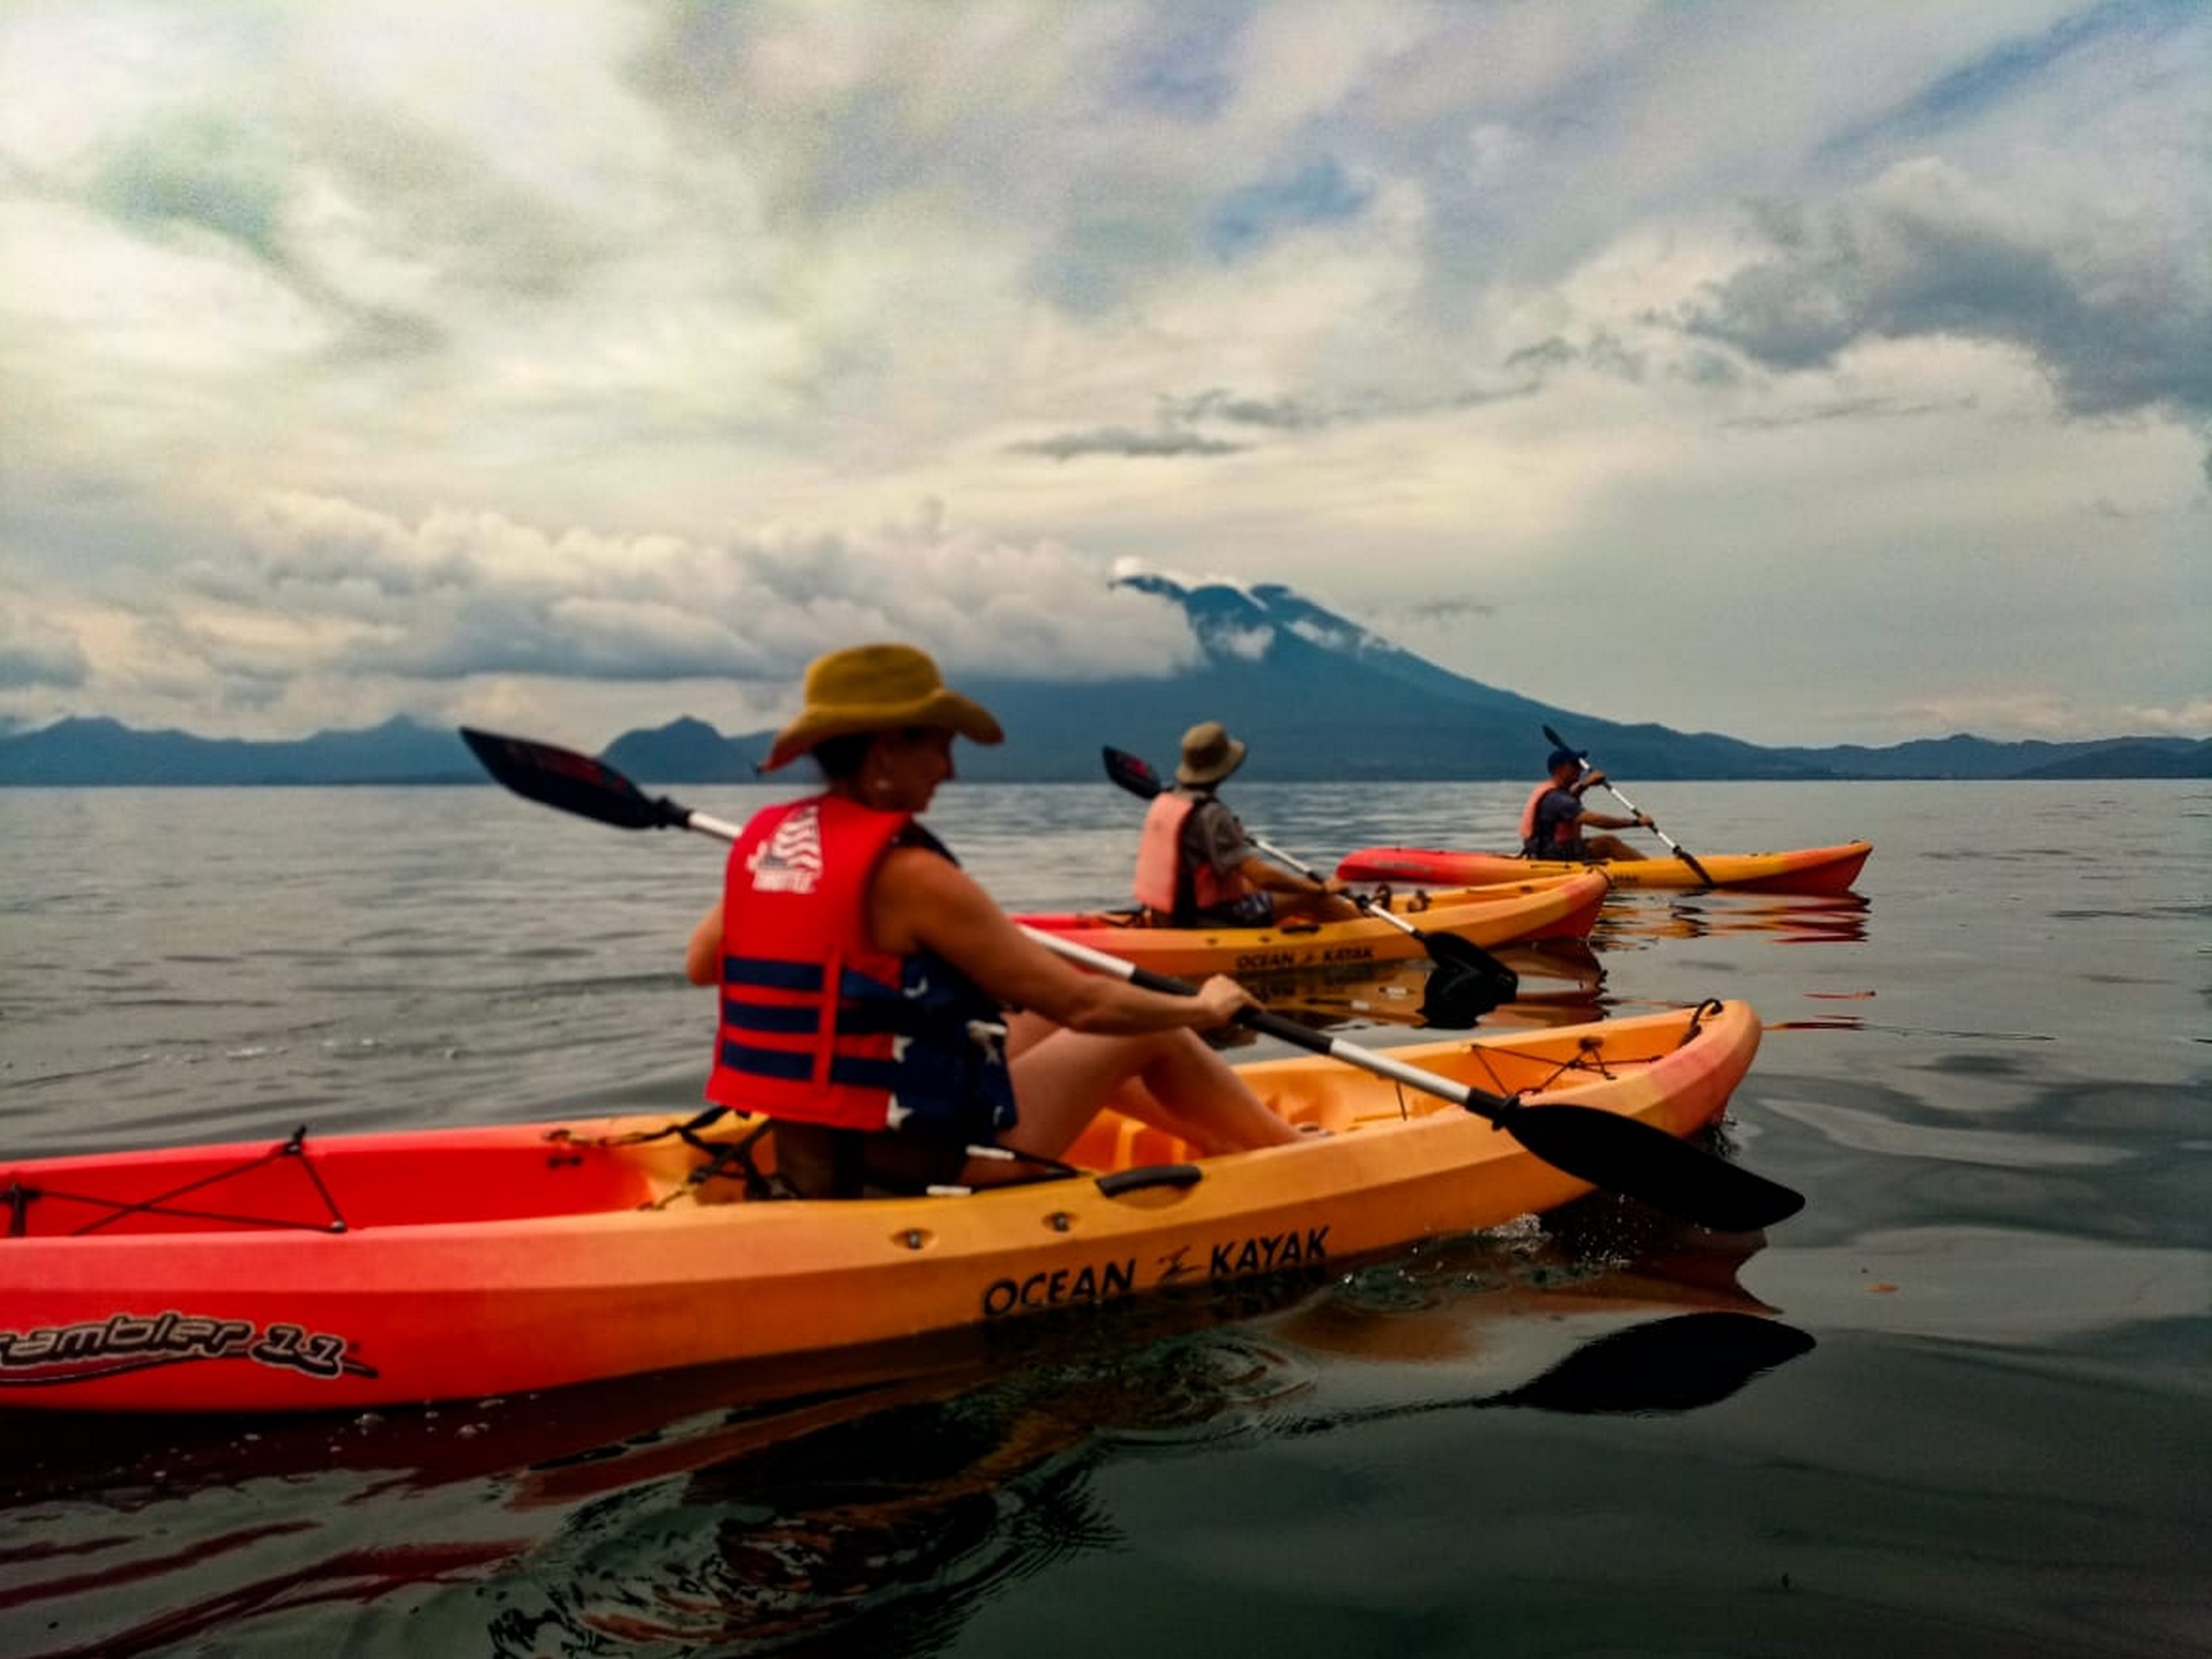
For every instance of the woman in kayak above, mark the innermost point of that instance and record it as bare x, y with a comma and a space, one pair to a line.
866, 979
1195, 867
1553, 824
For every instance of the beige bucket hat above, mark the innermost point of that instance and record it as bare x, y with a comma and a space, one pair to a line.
878, 687
1209, 754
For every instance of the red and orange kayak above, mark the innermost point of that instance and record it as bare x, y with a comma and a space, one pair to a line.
1518, 907
374, 1269
1807, 870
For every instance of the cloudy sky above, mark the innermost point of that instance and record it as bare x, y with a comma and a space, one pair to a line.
1808, 372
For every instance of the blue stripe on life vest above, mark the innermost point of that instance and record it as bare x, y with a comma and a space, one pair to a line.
787, 1018
790, 1067
767, 974
874, 1018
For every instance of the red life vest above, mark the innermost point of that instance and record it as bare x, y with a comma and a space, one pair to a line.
819, 1025
1166, 880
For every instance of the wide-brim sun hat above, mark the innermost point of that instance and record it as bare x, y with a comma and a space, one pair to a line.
878, 687
1209, 754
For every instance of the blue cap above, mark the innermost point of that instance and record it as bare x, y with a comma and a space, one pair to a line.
1560, 757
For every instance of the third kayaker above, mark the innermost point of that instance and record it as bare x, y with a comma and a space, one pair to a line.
1195, 866
866, 980
1554, 822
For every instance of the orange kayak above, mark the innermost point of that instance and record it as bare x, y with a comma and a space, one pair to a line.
1807, 870
375, 1270
1564, 905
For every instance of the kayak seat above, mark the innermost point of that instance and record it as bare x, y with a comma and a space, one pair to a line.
1115, 1141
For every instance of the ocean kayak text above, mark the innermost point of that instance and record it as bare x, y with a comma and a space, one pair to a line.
1253, 962
1107, 1280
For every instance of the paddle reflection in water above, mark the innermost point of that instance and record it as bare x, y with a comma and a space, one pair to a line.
1558, 983
886, 1530
874, 1498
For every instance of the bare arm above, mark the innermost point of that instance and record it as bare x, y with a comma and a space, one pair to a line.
1270, 877
920, 899
1603, 820
702, 956
1592, 780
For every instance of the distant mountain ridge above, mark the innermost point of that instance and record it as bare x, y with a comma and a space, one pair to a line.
1317, 697
98, 752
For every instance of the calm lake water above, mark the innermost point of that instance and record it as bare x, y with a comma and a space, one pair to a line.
1980, 1425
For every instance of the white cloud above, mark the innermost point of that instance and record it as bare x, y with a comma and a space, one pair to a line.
386, 355
326, 590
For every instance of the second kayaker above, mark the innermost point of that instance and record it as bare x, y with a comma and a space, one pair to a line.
1555, 824
1197, 868
866, 979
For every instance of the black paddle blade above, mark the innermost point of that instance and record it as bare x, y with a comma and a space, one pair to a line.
570, 782
1696, 868
1133, 772
1454, 1000
1620, 1154
1451, 953
1677, 1363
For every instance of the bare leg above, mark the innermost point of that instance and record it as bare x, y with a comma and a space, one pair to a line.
1064, 1079
1314, 907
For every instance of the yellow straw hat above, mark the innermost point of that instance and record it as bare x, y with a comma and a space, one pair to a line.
878, 687
1209, 754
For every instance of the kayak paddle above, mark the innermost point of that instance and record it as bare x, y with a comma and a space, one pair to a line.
1619, 1154
1473, 976
1559, 742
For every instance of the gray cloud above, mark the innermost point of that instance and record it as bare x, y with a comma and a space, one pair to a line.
2119, 316
1846, 408
43, 660
1127, 441
1603, 350
1178, 416
1279, 414
1552, 353
202, 171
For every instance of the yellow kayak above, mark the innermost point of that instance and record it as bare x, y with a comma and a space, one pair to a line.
1565, 906
1805, 869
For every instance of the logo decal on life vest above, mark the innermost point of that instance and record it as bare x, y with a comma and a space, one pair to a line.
791, 860
124, 1343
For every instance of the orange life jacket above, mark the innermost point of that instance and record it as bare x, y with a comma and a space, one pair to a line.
1169, 881
1531, 847
1529, 814
818, 1025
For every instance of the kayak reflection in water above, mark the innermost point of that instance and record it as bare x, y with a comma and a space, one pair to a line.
1195, 867
866, 979
1554, 821
879, 1521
